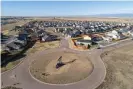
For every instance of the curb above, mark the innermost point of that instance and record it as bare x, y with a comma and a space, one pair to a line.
82, 50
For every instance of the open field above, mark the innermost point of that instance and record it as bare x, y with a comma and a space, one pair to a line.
126, 20
119, 66
43, 46
44, 67
110, 19
6, 28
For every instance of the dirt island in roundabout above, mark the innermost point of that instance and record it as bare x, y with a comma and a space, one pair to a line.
61, 67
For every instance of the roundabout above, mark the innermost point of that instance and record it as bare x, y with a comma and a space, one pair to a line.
61, 68
80, 70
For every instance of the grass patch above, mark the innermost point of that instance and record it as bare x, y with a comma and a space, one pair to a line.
119, 65
44, 68
43, 46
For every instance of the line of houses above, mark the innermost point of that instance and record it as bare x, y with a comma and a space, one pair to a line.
87, 40
15, 44
85, 26
35, 30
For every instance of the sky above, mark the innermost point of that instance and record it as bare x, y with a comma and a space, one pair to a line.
64, 8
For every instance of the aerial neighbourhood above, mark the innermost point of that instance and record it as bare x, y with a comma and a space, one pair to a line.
50, 51
82, 35
59, 52
66, 45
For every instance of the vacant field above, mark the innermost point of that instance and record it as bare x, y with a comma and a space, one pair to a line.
44, 68
119, 64
108, 19
6, 28
125, 20
43, 46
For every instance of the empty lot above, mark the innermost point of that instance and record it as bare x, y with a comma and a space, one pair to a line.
119, 66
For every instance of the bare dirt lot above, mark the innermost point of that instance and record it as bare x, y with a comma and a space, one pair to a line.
119, 66
43, 46
44, 68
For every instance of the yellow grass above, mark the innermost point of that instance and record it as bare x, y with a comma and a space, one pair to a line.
119, 65
43, 46
71, 44
45, 64
111, 19
7, 27
125, 20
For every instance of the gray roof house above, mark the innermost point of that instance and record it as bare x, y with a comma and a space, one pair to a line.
83, 42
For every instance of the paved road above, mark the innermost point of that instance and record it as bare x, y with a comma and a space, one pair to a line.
23, 77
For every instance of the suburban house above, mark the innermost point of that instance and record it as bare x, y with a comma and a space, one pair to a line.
11, 45
96, 39
46, 38
106, 39
113, 35
82, 42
